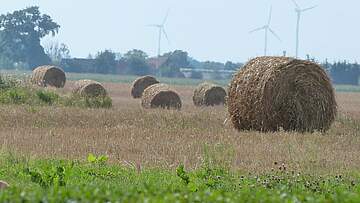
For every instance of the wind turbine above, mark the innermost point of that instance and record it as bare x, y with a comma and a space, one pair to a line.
162, 31
267, 28
299, 11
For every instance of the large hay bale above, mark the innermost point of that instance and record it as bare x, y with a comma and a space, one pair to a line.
207, 94
89, 88
140, 84
160, 96
270, 93
45, 76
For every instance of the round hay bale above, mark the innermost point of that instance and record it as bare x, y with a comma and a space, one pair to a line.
160, 96
140, 84
89, 88
3, 185
207, 94
272, 93
45, 76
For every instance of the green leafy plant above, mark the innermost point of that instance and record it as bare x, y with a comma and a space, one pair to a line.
181, 173
54, 177
101, 159
88, 102
16, 96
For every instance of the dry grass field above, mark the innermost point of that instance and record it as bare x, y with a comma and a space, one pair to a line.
130, 135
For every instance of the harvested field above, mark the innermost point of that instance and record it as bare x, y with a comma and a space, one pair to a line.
130, 134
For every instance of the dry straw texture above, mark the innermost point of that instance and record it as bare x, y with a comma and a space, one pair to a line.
89, 88
140, 84
207, 94
270, 93
45, 76
160, 96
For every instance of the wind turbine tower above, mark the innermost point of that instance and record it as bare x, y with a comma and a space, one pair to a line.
162, 31
299, 11
267, 29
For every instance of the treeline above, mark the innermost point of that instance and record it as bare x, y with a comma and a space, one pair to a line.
343, 72
134, 62
20, 48
137, 62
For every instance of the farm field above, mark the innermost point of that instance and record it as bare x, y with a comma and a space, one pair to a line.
43, 145
129, 78
149, 102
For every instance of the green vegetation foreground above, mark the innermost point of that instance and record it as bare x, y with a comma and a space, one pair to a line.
95, 181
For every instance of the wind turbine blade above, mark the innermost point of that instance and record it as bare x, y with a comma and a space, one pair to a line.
270, 15
153, 25
166, 36
166, 17
296, 4
257, 29
306, 9
273, 32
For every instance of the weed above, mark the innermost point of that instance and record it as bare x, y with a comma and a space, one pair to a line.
69, 181
15, 92
45, 179
47, 97
180, 172
101, 159
88, 102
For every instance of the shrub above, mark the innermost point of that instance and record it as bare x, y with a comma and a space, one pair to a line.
88, 102
47, 96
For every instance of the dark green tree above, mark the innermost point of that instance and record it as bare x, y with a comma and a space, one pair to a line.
232, 66
136, 62
344, 72
21, 33
175, 60
213, 65
105, 62
196, 75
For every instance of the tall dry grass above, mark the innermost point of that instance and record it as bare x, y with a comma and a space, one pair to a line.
162, 138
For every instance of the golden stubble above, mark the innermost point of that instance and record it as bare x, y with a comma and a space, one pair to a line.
131, 135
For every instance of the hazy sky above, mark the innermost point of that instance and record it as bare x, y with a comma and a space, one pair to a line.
208, 29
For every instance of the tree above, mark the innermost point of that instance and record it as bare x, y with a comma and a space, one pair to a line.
57, 52
232, 66
175, 60
105, 62
196, 75
5, 61
136, 62
22, 31
213, 65
344, 73
135, 53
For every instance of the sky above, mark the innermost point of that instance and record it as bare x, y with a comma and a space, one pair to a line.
214, 30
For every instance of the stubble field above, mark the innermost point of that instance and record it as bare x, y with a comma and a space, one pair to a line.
130, 135
128, 154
